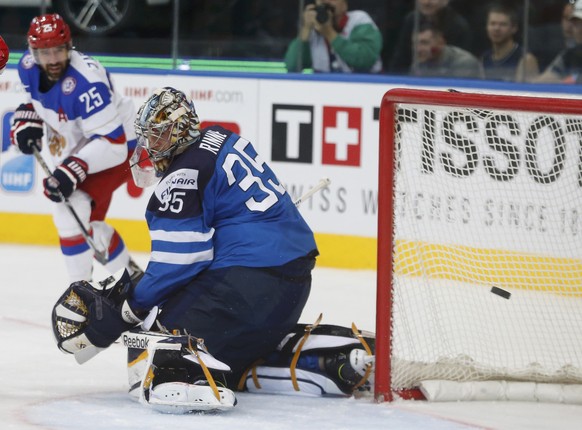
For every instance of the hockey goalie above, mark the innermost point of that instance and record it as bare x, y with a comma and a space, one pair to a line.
217, 308
174, 372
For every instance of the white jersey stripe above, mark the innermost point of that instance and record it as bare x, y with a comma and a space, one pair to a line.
182, 259
181, 236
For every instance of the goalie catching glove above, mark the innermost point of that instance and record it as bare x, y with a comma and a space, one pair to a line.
94, 315
27, 129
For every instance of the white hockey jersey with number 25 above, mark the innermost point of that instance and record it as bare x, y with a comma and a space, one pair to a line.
84, 116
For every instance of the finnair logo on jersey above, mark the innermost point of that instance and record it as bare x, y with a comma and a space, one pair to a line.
293, 134
183, 179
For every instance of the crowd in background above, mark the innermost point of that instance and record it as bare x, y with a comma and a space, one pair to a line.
510, 40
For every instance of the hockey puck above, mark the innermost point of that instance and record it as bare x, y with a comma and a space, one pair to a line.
501, 292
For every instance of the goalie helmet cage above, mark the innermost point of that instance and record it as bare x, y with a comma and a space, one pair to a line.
479, 273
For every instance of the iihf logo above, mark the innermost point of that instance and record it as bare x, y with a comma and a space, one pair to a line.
17, 171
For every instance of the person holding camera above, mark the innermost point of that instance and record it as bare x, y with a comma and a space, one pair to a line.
333, 39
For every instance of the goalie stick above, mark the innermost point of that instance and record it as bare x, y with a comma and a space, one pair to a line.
100, 256
87, 353
323, 183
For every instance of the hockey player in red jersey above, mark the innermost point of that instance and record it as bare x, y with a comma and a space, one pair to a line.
88, 132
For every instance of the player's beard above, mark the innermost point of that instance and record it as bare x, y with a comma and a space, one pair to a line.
54, 71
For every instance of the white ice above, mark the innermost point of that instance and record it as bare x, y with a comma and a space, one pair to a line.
42, 388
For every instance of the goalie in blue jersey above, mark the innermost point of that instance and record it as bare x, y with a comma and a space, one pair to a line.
231, 261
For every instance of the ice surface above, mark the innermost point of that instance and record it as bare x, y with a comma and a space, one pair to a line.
42, 388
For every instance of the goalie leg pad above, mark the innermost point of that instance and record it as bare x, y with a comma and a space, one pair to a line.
277, 380
332, 361
171, 374
331, 374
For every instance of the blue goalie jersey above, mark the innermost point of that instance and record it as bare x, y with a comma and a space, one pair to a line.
218, 205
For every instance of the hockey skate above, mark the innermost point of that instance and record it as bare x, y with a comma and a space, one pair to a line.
319, 360
350, 370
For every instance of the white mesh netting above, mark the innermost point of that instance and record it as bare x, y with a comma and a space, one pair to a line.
487, 198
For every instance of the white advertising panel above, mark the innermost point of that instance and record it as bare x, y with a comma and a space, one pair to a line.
307, 129
313, 129
229, 102
492, 186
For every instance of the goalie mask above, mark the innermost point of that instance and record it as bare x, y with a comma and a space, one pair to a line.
166, 125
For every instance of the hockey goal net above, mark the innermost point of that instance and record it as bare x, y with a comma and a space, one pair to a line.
479, 247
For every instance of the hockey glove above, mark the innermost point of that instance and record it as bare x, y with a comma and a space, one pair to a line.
109, 321
86, 315
65, 179
4, 53
27, 129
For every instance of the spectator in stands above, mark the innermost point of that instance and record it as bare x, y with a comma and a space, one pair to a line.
549, 39
506, 59
567, 66
333, 39
437, 59
454, 27
567, 26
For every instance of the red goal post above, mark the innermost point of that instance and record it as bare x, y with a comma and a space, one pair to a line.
488, 220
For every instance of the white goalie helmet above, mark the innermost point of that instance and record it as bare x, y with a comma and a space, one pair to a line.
166, 124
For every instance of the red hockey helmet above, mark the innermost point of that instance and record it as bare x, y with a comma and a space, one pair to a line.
4, 53
48, 31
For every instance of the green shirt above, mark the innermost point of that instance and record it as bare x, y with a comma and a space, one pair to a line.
355, 50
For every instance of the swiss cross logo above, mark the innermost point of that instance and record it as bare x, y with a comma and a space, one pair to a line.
341, 136
293, 134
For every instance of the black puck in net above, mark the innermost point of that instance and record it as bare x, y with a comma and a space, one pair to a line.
501, 292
